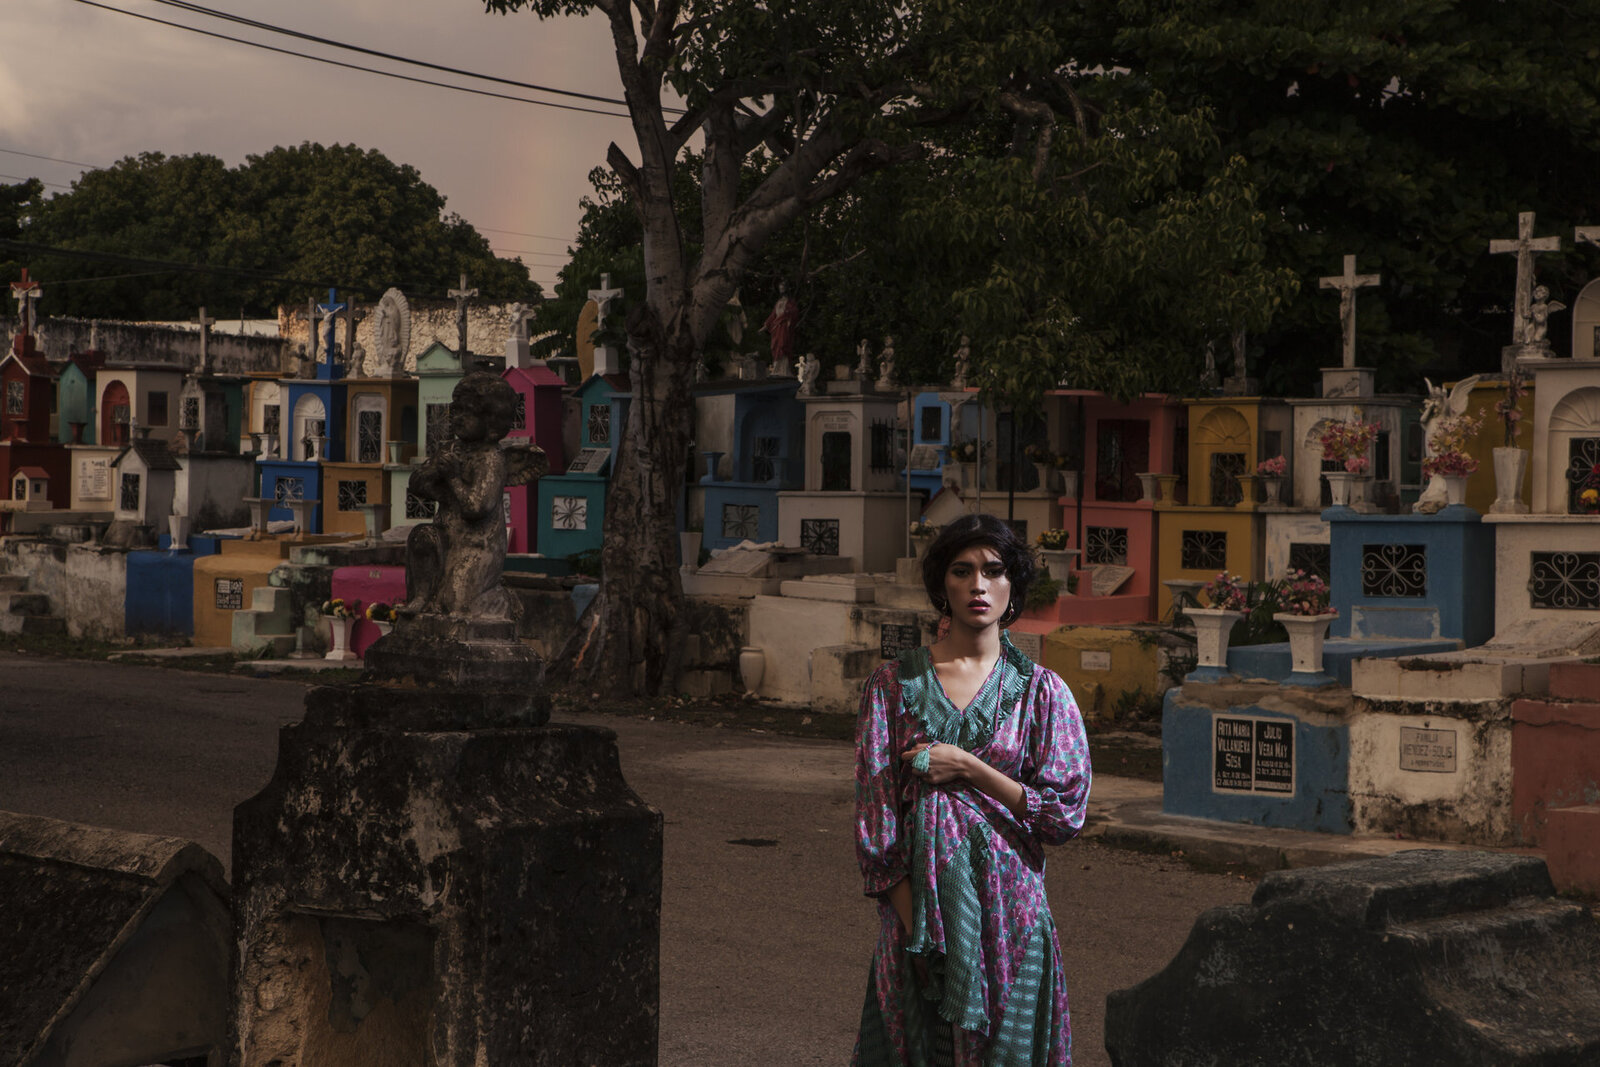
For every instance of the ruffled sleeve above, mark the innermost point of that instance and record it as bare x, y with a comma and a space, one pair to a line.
880, 844
1055, 767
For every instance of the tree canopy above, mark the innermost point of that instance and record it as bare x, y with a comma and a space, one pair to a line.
276, 229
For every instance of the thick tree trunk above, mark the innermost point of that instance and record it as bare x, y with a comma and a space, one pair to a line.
630, 641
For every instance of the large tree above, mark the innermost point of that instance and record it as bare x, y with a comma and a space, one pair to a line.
792, 107
272, 230
1409, 132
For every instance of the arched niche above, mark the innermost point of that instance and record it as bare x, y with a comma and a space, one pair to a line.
1572, 448
310, 421
1585, 320
116, 409
369, 426
1225, 452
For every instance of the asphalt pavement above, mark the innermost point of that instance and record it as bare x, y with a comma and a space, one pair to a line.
765, 936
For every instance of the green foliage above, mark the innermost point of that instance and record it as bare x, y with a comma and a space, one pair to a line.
1044, 591
1409, 133
288, 222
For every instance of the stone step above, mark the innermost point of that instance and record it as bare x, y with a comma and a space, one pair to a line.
1572, 847
40, 624
13, 583
265, 626
12, 603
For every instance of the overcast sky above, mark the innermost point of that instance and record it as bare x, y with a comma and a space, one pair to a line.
88, 85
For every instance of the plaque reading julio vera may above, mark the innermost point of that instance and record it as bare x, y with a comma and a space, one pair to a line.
1252, 755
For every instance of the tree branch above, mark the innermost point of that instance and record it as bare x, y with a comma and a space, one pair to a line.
1043, 117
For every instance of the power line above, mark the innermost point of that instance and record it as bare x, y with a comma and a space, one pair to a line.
529, 252
20, 178
186, 5
52, 159
354, 66
514, 233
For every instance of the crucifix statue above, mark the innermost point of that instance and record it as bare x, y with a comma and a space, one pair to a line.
25, 292
311, 329
607, 359
328, 313
1347, 284
461, 296
1526, 246
204, 366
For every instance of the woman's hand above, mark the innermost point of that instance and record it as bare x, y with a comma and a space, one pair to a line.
945, 763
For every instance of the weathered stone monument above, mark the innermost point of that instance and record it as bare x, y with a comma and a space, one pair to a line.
1424, 957
435, 874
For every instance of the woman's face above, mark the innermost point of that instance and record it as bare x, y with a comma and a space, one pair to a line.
977, 587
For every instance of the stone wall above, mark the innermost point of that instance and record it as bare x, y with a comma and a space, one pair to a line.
86, 584
170, 346
488, 326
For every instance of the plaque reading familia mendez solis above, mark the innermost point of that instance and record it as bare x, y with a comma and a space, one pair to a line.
1252, 755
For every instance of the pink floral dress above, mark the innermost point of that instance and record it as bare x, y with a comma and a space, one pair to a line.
978, 979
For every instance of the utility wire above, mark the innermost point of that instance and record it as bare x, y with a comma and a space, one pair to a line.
198, 9
514, 233
20, 178
52, 159
354, 66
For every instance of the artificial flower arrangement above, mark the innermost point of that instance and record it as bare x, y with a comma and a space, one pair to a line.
340, 608
1449, 443
1229, 592
1589, 500
1506, 406
1303, 593
1272, 468
965, 451
1347, 442
1053, 540
923, 528
1038, 453
378, 611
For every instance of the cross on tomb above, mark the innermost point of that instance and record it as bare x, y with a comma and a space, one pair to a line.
205, 342
328, 313
1347, 284
603, 297
461, 296
1526, 246
311, 325
25, 292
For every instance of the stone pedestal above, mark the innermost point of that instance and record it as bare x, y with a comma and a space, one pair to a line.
436, 876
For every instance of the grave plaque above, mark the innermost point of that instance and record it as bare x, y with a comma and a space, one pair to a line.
835, 422
1427, 750
1030, 645
924, 458
1094, 661
895, 638
230, 594
590, 461
94, 479
1106, 578
1252, 755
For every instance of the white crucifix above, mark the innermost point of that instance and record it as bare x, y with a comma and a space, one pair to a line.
25, 292
602, 298
1526, 246
205, 342
461, 296
1347, 284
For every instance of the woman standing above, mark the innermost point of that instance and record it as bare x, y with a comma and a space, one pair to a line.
969, 759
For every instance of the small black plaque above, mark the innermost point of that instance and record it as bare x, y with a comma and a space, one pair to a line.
895, 638
1252, 755
230, 594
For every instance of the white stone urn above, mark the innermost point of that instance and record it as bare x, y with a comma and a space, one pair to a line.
689, 548
1069, 484
1306, 634
1455, 488
339, 638
1148, 482
1339, 483
1510, 468
1058, 561
1271, 487
396, 452
1212, 628
1047, 476
178, 526
752, 668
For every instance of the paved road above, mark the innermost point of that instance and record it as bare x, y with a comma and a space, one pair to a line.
765, 937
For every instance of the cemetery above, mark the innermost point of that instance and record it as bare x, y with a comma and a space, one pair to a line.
366, 488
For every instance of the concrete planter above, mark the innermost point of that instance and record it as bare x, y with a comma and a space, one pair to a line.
752, 668
1212, 628
1455, 488
1306, 634
1069, 484
1271, 486
1148, 482
1058, 561
689, 548
1510, 468
339, 639
1339, 487
1047, 475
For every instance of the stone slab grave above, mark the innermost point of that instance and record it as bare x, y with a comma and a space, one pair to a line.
436, 876
750, 569
1106, 578
113, 946
1420, 958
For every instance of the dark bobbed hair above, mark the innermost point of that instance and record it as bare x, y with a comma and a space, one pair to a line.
990, 532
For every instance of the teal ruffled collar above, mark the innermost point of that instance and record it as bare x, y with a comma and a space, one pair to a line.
925, 698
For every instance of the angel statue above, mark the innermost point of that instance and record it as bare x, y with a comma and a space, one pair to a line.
453, 564
1537, 334
1438, 407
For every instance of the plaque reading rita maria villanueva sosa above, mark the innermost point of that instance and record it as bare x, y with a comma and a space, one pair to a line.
1252, 755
